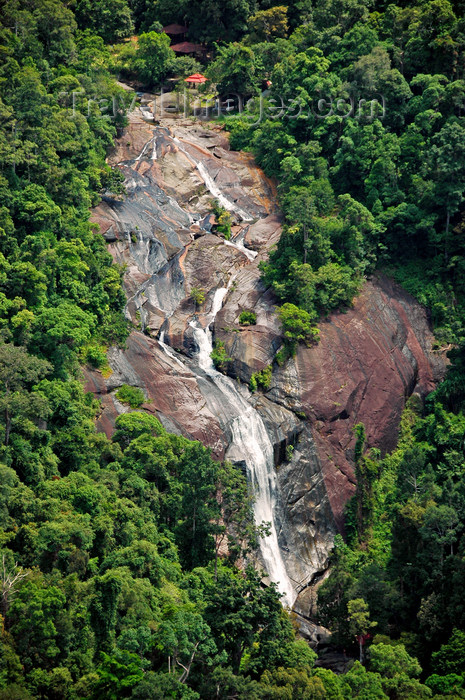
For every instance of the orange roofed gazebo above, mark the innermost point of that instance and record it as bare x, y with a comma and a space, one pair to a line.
196, 79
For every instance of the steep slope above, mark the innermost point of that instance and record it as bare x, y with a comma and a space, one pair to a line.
369, 359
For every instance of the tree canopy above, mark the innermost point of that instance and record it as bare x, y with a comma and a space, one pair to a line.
123, 561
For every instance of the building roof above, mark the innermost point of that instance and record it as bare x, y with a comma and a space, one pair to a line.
196, 78
187, 47
175, 29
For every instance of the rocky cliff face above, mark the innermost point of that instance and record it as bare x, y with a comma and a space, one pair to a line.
369, 359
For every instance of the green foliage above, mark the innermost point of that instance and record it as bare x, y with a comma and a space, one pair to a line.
220, 356
223, 220
234, 70
262, 378
247, 318
110, 599
198, 295
95, 356
359, 619
297, 325
130, 546
277, 684
130, 395
361, 191
451, 656
267, 25
19, 371
118, 674
389, 661
411, 526
283, 354
183, 66
451, 684
227, 21
360, 683
371, 188
110, 20
132, 425
152, 58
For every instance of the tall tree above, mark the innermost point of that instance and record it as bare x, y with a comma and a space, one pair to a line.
19, 371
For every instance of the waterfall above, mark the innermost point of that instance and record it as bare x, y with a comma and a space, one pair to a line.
165, 290
251, 439
211, 185
168, 350
238, 243
144, 150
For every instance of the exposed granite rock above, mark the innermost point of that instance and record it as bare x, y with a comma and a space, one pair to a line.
157, 231
264, 233
251, 347
368, 361
172, 390
307, 524
169, 173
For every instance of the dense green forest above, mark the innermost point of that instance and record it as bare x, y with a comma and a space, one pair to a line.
111, 581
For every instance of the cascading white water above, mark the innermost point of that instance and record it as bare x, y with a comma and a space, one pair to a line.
251, 439
168, 350
144, 150
239, 245
211, 185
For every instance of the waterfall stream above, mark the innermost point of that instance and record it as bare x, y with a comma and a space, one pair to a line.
213, 188
211, 185
238, 244
251, 439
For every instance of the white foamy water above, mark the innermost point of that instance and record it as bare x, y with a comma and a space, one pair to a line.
168, 350
213, 188
251, 439
249, 436
144, 150
211, 185
251, 254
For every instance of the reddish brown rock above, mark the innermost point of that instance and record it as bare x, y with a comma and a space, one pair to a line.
368, 362
171, 389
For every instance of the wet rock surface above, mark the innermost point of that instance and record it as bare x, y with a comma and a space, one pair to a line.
369, 359
172, 390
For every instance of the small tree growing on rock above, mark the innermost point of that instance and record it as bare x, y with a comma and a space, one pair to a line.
198, 295
220, 356
297, 326
247, 318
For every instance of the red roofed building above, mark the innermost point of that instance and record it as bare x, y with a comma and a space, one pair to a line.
196, 79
